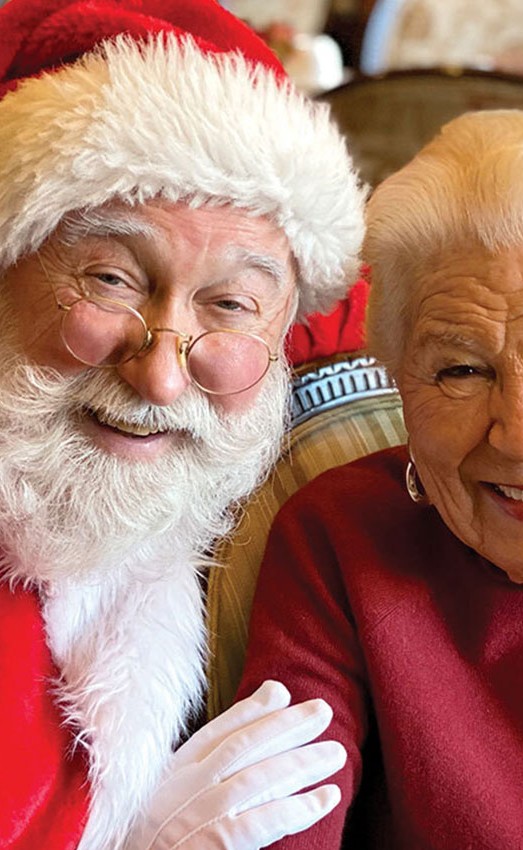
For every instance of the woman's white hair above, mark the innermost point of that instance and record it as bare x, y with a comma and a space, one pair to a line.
464, 187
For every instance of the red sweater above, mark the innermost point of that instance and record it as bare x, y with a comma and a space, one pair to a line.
417, 643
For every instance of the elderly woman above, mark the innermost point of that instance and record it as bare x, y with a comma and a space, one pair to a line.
394, 586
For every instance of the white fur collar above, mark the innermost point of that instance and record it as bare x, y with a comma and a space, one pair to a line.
131, 653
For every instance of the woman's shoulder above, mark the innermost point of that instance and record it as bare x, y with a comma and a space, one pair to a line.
388, 463
367, 501
378, 477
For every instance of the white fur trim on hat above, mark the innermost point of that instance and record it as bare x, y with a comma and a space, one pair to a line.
136, 121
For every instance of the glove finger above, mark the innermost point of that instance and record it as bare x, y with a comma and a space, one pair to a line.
286, 774
294, 814
275, 733
275, 778
262, 826
270, 696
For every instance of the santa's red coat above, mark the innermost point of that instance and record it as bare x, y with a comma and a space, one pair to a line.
43, 783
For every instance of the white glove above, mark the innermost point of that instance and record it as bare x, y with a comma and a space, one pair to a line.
229, 787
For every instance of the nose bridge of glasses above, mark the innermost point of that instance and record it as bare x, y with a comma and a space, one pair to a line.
182, 341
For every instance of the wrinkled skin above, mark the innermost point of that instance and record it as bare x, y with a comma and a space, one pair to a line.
191, 270
461, 381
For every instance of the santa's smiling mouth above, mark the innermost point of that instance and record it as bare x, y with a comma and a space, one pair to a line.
121, 426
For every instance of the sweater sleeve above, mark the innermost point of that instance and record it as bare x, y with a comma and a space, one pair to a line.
302, 633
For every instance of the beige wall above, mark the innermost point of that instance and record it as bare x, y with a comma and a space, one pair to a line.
305, 15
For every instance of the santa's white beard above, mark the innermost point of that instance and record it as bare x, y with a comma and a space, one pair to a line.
117, 545
67, 508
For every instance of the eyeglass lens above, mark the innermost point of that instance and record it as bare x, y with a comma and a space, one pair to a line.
101, 333
223, 362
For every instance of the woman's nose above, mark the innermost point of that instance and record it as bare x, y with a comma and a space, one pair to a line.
506, 431
157, 374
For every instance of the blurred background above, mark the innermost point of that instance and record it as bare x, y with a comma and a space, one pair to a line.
393, 71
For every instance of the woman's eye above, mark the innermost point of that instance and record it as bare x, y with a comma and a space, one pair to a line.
463, 370
463, 376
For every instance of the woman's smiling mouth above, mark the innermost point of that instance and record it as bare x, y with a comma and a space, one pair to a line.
508, 491
507, 497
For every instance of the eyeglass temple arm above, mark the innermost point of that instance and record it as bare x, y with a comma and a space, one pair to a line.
49, 281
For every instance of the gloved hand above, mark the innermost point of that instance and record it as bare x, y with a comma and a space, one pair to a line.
229, 787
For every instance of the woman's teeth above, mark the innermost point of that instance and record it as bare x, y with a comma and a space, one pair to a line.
510, 492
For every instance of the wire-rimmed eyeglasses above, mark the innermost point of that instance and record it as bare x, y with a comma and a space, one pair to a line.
105, 333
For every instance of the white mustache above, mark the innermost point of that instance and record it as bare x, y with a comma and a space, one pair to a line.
108, 397
111, 400
41, 390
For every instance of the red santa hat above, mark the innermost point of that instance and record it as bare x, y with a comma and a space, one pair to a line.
175, 98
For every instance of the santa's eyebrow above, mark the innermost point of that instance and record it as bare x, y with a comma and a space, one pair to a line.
102, 223
266, 263
83, 224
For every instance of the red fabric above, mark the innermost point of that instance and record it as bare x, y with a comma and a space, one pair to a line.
369, 601
341, 331
43, 789
44, 34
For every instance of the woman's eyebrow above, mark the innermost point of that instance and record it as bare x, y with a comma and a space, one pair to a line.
433, 339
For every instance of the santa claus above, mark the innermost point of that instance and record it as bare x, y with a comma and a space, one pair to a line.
168, 205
